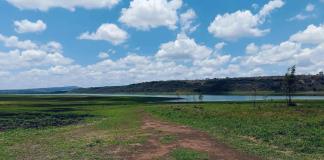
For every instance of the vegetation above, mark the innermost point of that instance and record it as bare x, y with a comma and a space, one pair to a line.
69, 127
168, 139
305, 84
275, 132
39, 90
89, 127
290, 80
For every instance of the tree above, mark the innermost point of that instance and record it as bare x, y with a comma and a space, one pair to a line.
290, 80
201, 97
254, 97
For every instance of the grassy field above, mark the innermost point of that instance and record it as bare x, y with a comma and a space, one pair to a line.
83, 127
51, 127
273, 131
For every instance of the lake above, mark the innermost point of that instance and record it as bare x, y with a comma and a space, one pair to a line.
211, 98
219, 98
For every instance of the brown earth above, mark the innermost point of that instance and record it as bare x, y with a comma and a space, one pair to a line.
186, 137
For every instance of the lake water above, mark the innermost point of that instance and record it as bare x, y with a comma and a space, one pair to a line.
212, 98
219, 98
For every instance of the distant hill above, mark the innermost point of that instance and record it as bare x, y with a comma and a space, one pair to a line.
51, 90
269, 84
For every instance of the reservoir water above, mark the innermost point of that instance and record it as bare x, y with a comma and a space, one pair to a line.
210, 98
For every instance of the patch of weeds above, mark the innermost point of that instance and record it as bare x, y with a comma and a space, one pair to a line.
38, 120
59, 110
167, 139
188, 154
95, 142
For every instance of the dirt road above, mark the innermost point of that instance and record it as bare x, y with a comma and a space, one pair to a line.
185, 137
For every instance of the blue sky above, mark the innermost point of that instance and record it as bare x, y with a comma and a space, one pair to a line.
116, 42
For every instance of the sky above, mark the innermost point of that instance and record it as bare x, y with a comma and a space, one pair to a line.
118, 42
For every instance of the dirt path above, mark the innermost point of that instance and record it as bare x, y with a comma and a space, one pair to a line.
185, 138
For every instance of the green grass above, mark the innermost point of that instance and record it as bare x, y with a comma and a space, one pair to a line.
89, 127
274, 132
68, 127
166, 139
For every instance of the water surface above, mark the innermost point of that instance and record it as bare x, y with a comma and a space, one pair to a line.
210, 98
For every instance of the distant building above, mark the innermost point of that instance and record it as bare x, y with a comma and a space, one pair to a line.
321, 74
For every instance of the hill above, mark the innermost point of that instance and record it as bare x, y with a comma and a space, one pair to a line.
51, 90
269, 84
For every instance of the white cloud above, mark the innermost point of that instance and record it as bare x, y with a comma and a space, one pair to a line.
310, 7
103, 55
308, 58
312, 34
236, 25
251, 48
147, 14
44, 5
232, 26
25, 59
220, 45
25, 26
214, 62
301, 17
27, 54
107, 32
269, 7
186, 21
182, 58
183, 48
271, 54
14, 42
52, 46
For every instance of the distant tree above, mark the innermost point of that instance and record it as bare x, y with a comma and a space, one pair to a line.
201, 97
289, 81
254, 89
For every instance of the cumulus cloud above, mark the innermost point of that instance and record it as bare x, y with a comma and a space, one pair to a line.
44, 5
25, 26
147, 14
271, 54
312, 34
27, 54
14, 42
269, 7
183, 48
296, 50
25, 59
251, 48
242, 23
186, 21
182, 58
107, 32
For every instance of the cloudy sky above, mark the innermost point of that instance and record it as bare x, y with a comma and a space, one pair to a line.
116, 42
